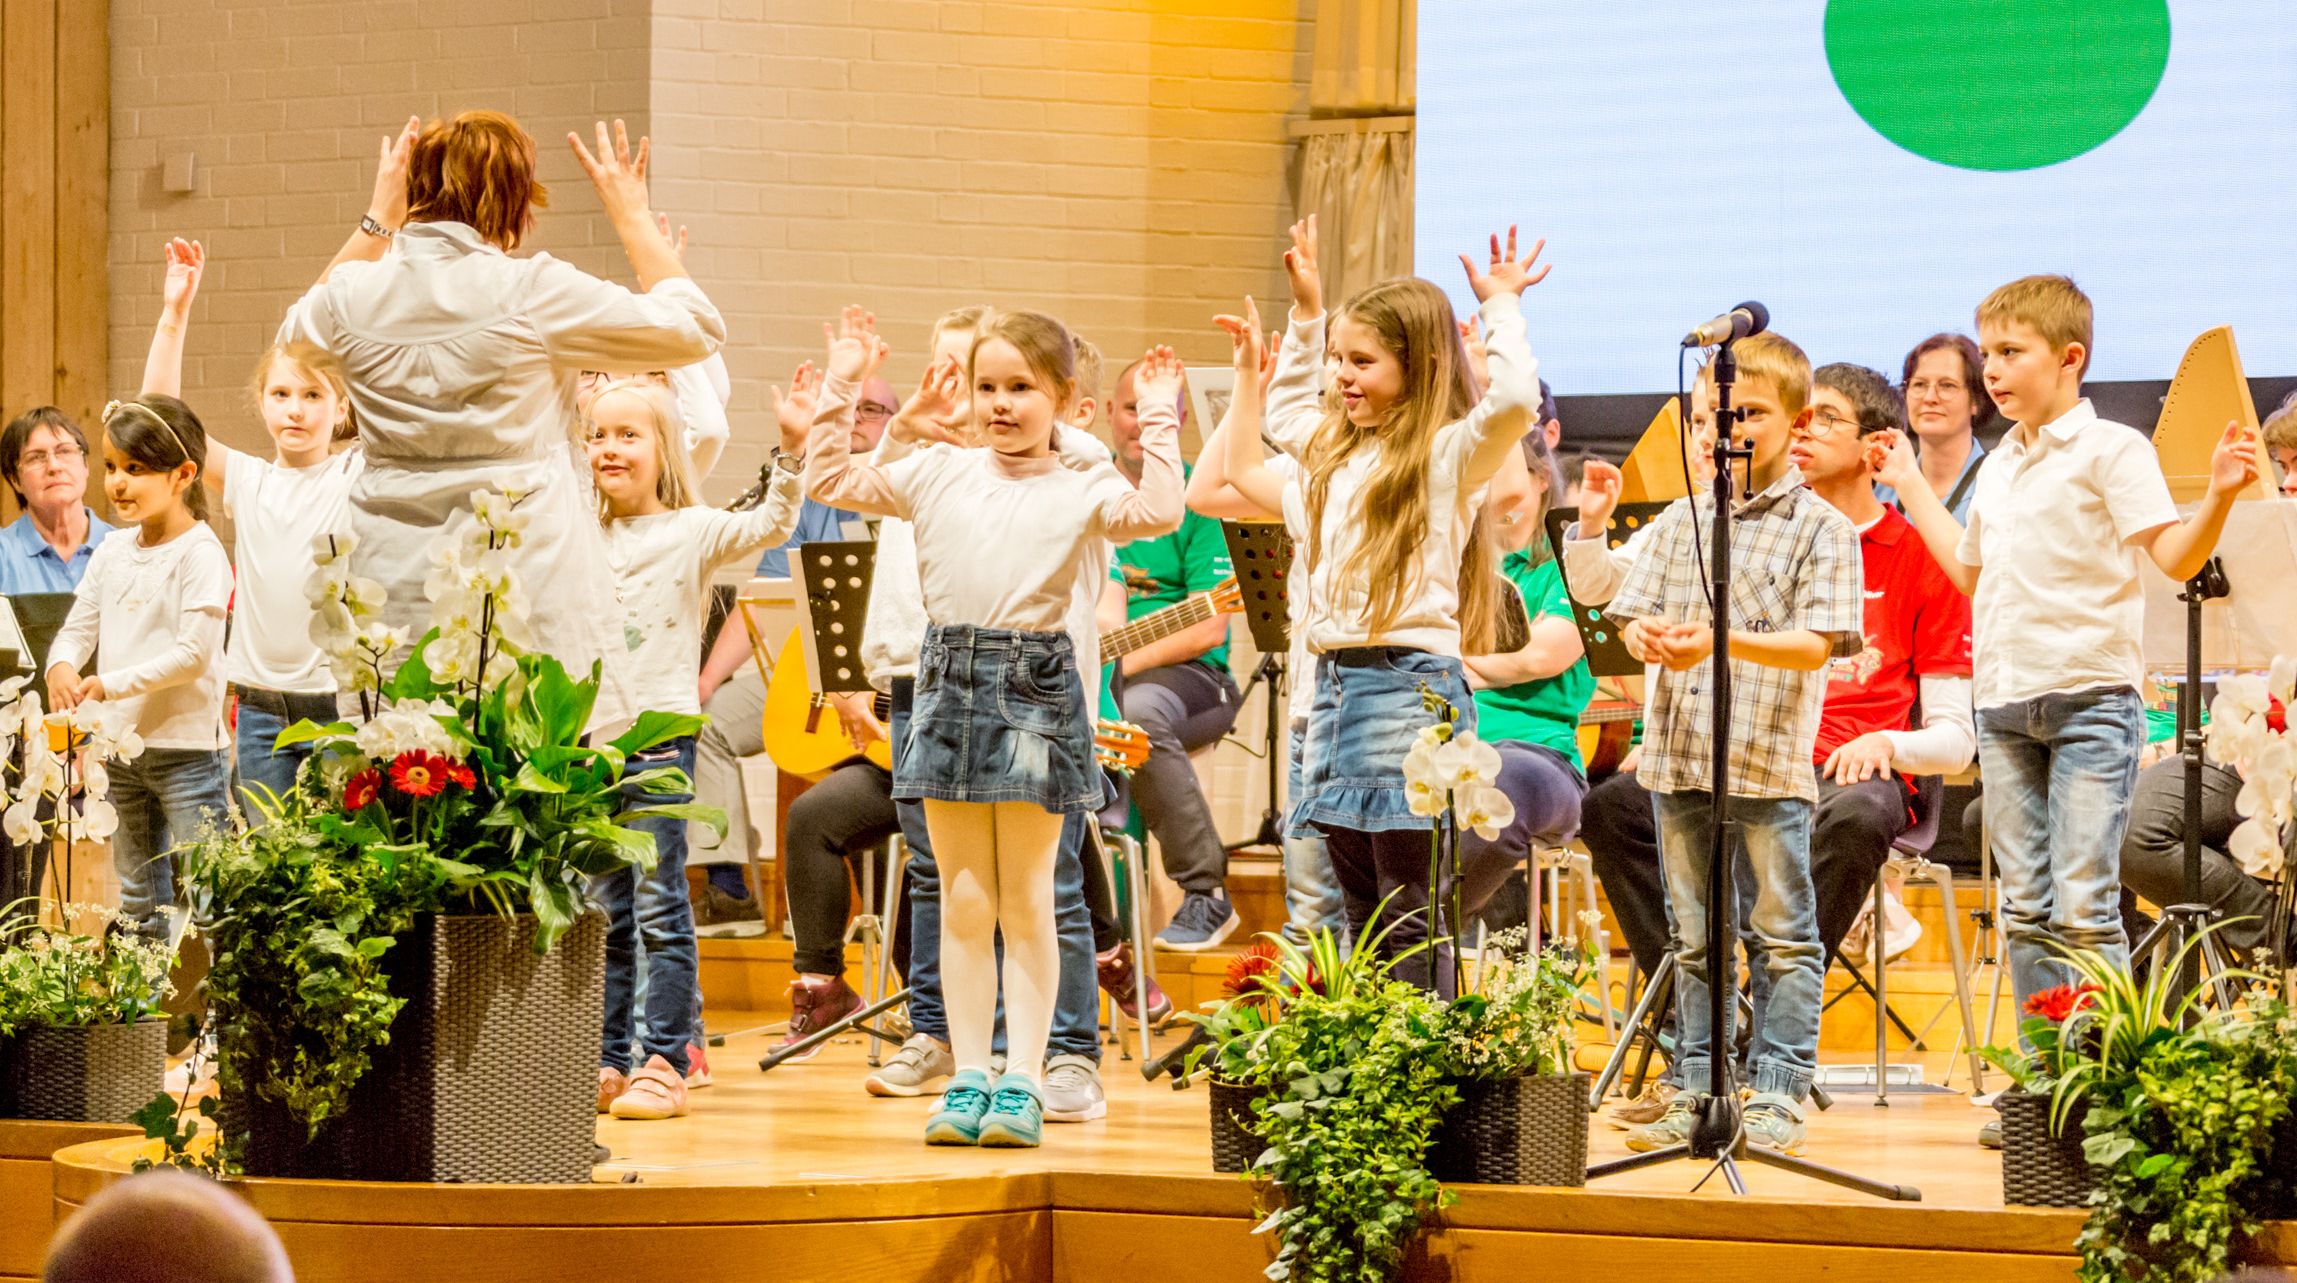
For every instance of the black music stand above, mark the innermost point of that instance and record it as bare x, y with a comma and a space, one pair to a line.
1606, 654
1261, 554
833, 586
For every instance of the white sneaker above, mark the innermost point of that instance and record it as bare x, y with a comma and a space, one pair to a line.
914, 1069
1073, 1090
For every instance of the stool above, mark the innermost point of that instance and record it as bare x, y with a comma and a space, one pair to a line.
1136, 916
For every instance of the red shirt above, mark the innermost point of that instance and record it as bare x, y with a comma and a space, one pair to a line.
1917, 625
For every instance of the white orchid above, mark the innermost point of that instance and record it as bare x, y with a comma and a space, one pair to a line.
2241, 737
1465, 762
99, 819
2257, 850
21, 821
406, 725
1486, 810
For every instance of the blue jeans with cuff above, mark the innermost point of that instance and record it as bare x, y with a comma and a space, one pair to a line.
651, 909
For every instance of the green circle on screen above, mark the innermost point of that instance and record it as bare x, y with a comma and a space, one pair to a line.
1997, 84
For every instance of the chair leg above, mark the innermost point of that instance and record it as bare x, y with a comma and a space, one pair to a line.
1144, 945
1881, 1001
1116, 1012
1944, 878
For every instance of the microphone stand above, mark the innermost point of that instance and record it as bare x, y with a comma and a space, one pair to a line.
1272, 756
1719, 1133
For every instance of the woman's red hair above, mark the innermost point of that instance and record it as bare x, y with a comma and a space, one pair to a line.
477, 169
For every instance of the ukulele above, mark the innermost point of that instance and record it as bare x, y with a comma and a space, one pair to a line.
804, 737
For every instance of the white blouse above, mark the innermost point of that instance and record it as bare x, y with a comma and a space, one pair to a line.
463, 363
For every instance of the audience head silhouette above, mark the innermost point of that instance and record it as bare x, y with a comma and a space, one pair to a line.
167, 1227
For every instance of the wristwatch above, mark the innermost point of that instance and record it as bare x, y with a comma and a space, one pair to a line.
794, 464
375, 229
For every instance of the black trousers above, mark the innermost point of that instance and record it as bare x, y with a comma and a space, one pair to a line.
1851, 832
845, 818
2153, 850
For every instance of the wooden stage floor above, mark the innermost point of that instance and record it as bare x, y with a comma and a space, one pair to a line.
798, 1174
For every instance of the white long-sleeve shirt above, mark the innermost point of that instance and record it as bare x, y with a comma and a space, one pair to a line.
1463, 457
156, 617
661, 565
703, 390
1002, 542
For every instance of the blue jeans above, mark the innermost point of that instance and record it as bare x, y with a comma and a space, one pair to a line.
260, 763
1312, 899
652, 909
164, 797
1781, 928
2060, 772
1076, 1007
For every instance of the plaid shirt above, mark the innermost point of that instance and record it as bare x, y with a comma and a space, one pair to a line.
1794, 566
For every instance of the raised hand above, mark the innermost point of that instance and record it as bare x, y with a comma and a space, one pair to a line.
938, 401
794, 410
1300, 266
2236, 462
1599, 490
1506, 274
618, 172
1479, 356
1248, 351
1897, 466
853, 344
388, 205
1159, 378
186, 261
677, 242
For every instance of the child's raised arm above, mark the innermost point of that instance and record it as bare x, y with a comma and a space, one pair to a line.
1296, 395
1240, 465
1510, 403
833, 475
163, 366
1154, 508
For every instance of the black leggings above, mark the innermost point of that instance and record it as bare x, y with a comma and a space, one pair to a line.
846, 817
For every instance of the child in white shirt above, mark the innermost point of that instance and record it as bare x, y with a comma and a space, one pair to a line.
153, 604
661, 548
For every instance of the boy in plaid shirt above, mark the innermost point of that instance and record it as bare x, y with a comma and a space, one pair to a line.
1796, 603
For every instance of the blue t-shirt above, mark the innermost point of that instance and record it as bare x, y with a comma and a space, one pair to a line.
817, 523
29, 565
1962, 482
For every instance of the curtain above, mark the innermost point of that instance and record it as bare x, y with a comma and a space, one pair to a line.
1358, 184
1356, 149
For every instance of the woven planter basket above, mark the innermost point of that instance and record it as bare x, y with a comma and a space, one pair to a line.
1515, 1131
491, 1074
1234, 1147
84, 1073
2039, 1169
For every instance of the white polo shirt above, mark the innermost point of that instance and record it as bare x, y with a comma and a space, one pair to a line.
2059, 607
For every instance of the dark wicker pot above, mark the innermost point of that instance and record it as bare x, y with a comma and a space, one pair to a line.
2039, 1169
491, 1074
1515, 1131
1234, 1147
84, 1073
2280, 1186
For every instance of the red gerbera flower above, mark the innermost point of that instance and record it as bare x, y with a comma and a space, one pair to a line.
361, 789
2055, 1004
419, 773
460, 775
1251, 970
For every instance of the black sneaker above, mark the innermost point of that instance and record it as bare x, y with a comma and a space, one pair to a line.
1202, 921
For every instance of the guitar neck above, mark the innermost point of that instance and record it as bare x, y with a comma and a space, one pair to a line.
1156, 626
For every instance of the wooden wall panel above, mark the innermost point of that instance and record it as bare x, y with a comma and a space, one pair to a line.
55, 125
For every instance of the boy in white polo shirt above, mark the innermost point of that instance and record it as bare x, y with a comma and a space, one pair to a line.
2062, 512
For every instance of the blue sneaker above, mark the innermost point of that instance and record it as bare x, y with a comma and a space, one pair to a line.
957, 1119
1202, 921
1016, 1118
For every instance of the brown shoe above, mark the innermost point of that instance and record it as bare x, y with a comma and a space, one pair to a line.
815, 1005
1116, 976
716, 909
611, 1083
1644, 1109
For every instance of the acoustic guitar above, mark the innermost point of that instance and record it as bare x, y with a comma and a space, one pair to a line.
1606, 733
805, 739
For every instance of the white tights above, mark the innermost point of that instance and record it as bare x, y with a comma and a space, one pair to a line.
996, 862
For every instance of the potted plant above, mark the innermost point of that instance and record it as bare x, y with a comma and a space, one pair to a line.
408, 982
1261, 982
2042, 1111
1522, 1114
80, 1040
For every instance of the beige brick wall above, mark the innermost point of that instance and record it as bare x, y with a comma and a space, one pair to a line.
1122, 164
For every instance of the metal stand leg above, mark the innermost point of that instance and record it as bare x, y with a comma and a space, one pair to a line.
1642, 1023
1136, 919
1943, 877
1881, 1003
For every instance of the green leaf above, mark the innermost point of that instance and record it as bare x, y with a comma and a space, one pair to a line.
654, 728
307, 731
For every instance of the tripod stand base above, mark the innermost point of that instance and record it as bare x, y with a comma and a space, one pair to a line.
857, 1022
1721, 1121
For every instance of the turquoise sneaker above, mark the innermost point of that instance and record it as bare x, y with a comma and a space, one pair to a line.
1774, 1121
957, 1119
1670, 1128
1016, 1118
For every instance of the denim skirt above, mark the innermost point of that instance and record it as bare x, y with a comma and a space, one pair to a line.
1366, 715
999, 716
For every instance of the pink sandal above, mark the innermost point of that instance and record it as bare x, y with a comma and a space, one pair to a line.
656, 1091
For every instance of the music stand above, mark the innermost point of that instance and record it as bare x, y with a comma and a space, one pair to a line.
1606, 654
1261, 554
833, 588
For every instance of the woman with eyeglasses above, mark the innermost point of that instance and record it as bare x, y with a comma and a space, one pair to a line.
1947, 407
44, 458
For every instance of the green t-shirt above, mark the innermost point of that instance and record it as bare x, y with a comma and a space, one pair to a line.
1163, 571
1545, 711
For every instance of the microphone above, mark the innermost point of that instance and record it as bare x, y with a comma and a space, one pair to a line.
1738, 323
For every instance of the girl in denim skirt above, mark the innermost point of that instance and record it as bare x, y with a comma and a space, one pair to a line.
1000, 745
1396, 449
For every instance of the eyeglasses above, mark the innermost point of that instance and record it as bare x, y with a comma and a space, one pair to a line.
872, 412
57, 456
1824, 422
1926, 387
